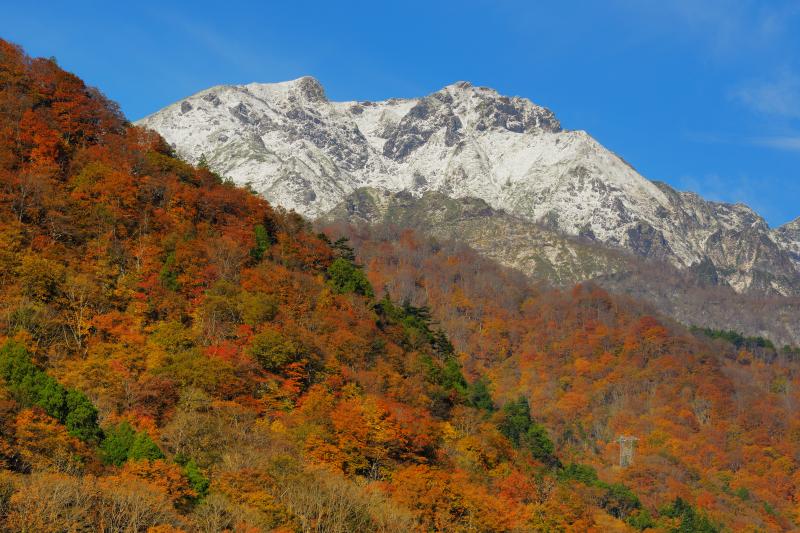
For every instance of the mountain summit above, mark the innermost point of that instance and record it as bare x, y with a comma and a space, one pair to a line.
304, 152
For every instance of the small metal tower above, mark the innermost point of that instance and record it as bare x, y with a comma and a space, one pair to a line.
626, 450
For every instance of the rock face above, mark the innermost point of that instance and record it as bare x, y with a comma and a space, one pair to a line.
303, 152
693, 296
789, 237
534, 249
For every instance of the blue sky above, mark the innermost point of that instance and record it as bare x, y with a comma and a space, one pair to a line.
702, 94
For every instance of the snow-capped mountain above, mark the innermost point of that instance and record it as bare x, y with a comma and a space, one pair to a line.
304, 152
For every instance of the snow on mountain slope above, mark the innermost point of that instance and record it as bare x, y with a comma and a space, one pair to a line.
306, 153
511, 240
789, 236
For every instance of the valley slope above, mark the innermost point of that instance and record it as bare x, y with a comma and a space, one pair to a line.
692, 296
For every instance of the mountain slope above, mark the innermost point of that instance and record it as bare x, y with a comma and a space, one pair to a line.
177, 355
692, 296
306, 153
593, 385
537, 251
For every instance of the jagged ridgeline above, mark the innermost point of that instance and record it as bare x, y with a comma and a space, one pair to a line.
178, 355
304, 152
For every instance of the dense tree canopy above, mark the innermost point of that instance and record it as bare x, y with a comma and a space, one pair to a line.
714, 420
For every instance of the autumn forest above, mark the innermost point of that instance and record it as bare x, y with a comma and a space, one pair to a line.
178, 355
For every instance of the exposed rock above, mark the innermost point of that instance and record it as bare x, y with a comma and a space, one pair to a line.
695, 296
306, 153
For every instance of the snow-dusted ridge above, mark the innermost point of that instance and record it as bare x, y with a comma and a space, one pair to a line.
304, 152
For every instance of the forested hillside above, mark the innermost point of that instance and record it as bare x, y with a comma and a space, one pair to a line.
692, 296
714, 412
177, 355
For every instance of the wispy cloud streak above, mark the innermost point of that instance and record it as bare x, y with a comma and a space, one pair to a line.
790, 143
778, 96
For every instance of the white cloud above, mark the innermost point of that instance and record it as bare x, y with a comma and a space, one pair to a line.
721, 189
226, 48
723, 29
778, 96
790, 143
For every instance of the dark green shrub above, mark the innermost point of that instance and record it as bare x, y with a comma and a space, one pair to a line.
31, 386
345, 277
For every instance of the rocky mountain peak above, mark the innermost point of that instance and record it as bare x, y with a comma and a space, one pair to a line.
311, 89
794, 225
789, 236
306, 153
461, 110
483, 108
306, 90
